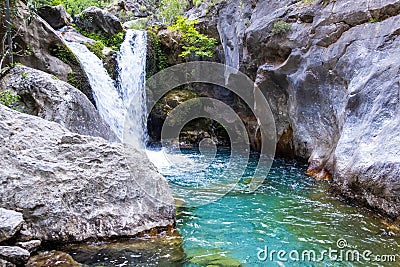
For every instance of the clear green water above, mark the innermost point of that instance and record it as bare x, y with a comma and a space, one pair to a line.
289, 212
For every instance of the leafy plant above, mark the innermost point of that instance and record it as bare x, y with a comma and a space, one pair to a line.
374, 20
9, 98
194, 42
280, 27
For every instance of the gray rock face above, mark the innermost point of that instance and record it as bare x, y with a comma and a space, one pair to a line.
98, 21
55, 16
74, 188
332, 81
49, 98
15, 255
40, 47
10, 223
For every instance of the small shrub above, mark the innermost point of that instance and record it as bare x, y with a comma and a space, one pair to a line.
194, 42
374, 20
280, 27
9, 98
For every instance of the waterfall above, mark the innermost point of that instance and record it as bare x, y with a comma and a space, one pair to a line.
105, 95
127, 97
131, 79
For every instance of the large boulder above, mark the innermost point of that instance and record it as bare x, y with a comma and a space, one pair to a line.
38, 45
55, 16
46, 96
10, 223
330, 76
98, 21
72, 187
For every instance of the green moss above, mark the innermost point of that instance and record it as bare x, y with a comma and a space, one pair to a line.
64, 54
96, 48
194, 42
113, 41
280, 27
75, 79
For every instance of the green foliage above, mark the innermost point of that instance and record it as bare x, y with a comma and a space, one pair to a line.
96, 48
65, 54
194, 42
76, 80
8, 98
24, 75
161, 58
374, 20
139, 24
280, 27
114, 41
75, 6
170, 10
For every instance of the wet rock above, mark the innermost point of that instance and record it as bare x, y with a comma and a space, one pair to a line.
55, 16
30, 246
53, 258
15, 255
52, 99
73, 187
10, 223
98, 21
70, 34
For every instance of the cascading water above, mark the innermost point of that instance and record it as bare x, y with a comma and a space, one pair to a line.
128, 96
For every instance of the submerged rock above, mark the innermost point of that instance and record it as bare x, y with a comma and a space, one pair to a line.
98, 21
55, 16
53, 258
15, 255
47, 97
10, 223
73, 187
